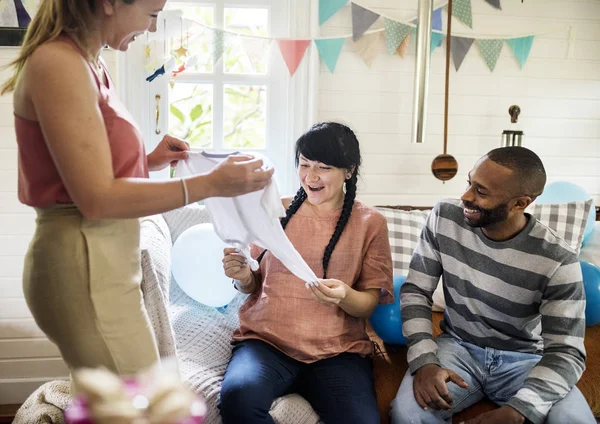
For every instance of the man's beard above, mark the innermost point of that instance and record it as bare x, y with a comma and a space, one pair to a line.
487, 217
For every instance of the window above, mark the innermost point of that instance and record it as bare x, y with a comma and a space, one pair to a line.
236, 103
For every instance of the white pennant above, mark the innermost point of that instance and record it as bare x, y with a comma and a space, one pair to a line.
255, 49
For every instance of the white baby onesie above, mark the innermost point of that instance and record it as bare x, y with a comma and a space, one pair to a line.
251, 218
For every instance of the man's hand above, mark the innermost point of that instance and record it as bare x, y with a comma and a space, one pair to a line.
503, 415
429, 386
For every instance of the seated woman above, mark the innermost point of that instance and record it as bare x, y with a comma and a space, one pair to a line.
311, 339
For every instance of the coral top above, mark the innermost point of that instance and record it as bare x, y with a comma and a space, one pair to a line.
284, 313
39, 181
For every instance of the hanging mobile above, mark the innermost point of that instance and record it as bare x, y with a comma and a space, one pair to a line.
444, 167
181, 52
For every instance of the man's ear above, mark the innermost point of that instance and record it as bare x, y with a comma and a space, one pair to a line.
522, 202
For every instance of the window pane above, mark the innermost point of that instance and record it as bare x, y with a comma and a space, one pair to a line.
190, 114
244, 121
192, 36
246, 21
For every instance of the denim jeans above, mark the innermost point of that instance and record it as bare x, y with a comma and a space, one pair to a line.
495, 374
340, 389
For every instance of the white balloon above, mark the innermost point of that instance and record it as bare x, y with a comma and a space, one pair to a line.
196, 263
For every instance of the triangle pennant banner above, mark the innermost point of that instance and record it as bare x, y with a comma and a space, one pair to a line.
328, 8
395, 33
490, 49
461, 10
218, 44
494, 3
459, 47
521, 48
436, 40
255, 49
403, 47
329, 50
365, 47
293, 52
362, 19
23, 17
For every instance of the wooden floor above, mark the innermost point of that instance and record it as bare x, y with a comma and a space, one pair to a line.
7, 413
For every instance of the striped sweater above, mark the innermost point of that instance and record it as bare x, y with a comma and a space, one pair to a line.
524, 294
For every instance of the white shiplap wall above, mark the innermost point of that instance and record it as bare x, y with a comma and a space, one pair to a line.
27, 358
559, 97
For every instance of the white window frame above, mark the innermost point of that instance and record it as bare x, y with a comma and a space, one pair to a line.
291, 102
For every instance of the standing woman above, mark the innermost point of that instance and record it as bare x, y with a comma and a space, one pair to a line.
83, 167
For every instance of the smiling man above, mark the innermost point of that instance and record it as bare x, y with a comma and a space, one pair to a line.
514, 321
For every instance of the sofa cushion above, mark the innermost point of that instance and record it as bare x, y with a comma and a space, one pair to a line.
181, 219
404, 229
568, 220
155, 246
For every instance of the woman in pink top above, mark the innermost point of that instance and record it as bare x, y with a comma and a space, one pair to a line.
82, 165
311, 339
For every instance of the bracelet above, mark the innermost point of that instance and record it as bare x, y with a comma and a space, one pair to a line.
186, 199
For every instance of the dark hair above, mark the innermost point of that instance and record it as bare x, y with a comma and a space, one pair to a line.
335, 145
527, 167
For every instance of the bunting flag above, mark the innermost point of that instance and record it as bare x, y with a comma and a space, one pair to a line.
218, 44
461, 10
329, 50
436, 40
521, 48
22, 15
362, 19
328, 8
293, 52
490, 49
494, 3
395, 33
459, 47
255, 49
365, 47
403, 47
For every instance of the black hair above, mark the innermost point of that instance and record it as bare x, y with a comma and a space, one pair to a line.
336, 145
527, 167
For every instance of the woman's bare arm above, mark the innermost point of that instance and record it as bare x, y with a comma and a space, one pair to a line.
65, 97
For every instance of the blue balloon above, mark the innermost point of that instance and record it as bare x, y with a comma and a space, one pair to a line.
565, 192
386, 320
196, 263
591, 283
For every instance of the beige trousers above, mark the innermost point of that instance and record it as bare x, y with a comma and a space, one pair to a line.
82, 284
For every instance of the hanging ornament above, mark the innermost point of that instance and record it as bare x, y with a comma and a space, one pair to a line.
147, 51
166, 68
189, 63
181, 52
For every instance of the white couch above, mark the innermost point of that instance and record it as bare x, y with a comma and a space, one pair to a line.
200, 335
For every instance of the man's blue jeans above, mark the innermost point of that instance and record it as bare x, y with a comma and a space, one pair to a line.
495, 374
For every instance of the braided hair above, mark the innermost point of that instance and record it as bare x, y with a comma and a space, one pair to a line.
336, 145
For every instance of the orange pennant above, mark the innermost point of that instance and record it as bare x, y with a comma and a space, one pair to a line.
403, 47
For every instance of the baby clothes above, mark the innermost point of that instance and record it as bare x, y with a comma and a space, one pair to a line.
252, 218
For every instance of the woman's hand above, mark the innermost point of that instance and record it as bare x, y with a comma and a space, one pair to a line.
238, 174
329, 291
335, 292
169, 151
235, 265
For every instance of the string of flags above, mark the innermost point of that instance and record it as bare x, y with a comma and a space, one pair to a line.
395, 34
